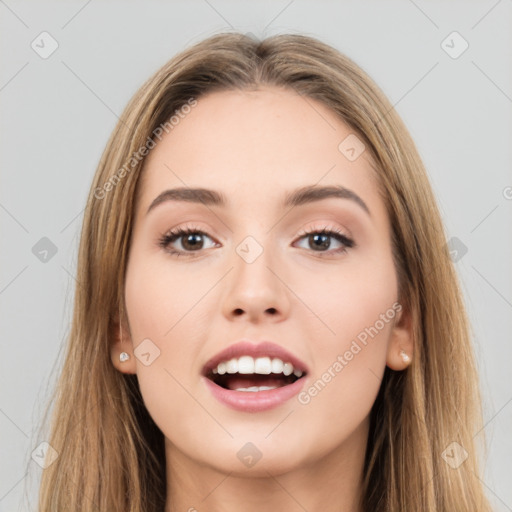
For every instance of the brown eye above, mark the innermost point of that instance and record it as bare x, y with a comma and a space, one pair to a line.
321, 240
190, 240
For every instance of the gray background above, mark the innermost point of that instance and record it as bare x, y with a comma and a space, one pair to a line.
57, 114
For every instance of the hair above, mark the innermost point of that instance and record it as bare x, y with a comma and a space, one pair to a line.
111, 453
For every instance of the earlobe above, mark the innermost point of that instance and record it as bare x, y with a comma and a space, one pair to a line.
401, 343
121, 348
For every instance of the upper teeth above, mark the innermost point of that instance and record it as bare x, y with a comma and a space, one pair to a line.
261, 365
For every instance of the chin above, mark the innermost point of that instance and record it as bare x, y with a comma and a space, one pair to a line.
250, 461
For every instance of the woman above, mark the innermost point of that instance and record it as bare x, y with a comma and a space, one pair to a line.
268, 317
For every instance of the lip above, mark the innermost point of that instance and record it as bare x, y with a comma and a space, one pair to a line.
248, 348
254, 401
248, 401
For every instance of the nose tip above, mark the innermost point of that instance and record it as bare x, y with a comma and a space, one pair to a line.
255, 290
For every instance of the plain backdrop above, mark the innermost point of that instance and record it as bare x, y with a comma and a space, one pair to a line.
58, 110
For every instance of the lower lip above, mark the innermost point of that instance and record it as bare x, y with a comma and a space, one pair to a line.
254, 401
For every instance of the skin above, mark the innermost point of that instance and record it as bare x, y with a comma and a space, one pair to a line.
255, 146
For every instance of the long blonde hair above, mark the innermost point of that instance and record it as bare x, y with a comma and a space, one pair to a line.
111, 453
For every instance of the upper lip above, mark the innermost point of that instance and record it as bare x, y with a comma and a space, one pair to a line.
249, 348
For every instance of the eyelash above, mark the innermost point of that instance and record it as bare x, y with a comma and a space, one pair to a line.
335, 233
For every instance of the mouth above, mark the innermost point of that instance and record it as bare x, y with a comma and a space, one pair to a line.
253, 378
248, 374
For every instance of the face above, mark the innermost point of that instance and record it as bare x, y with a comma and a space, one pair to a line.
313, 276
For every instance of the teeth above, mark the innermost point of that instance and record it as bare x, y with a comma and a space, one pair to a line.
256, 388
277, 365
262, 365
221, 368
247, 365
288, 369
232, 366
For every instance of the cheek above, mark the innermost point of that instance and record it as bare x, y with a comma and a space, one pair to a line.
162, 308
161, 300
349, 300
359, 308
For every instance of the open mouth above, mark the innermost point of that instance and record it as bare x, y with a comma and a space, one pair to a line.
252, 382
254, 374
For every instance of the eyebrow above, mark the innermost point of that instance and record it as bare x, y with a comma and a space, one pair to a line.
298, 197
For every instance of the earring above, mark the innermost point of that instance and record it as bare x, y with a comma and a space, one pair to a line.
123, 356
406, 359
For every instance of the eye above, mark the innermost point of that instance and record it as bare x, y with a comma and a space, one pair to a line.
319, 239
190, 239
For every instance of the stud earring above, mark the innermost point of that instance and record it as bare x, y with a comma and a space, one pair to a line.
123, 356
406, 359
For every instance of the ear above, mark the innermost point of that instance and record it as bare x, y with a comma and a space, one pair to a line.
401, 343
120, 341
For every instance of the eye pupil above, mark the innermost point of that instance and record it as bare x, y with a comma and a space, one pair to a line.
325, 240
194, 244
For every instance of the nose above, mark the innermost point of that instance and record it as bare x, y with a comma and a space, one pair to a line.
257, 290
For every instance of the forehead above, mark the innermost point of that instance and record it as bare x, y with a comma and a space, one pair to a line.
256, 145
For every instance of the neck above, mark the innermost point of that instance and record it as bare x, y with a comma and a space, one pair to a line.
331, 483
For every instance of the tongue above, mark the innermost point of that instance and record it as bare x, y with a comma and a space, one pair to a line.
237, 381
